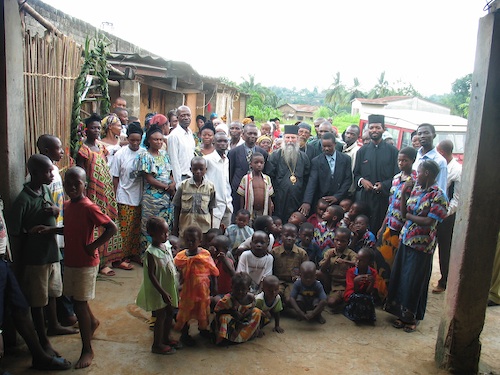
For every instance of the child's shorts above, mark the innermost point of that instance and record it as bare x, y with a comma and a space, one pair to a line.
310, 303
10, 291
79, 282
41, 282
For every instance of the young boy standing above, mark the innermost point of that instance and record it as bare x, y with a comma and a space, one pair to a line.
194, 200
287, 260
255, 189
81, 261
35, 251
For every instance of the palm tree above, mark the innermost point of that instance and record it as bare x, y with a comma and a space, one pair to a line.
336, 94
354, 91
381, 89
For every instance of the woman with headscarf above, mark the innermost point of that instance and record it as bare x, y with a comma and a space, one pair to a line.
92, 157
111, 128
207, 135
162, 122
128, 190
423, 205
265, 142
159, 185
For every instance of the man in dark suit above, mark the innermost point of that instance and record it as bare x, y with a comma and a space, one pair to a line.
239, 161
331, 175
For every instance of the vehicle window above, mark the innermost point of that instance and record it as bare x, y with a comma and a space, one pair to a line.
406, 140
458, 140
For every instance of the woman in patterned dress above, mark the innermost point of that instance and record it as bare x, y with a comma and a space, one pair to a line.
92, 157
159, 185
422, 210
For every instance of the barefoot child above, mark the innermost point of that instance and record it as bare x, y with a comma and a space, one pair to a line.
35, 249
287, 260
361, 287
158, 291
255, 189
308, 298
335, 264
219, 248
269, 301
81, 257
198, 273
237, 319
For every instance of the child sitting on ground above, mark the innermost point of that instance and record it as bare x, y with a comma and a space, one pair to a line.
306, 234
198, 272
237, 319
334, 266
255, 189
308, 298
219, 248
239, 231
324, 234
257, 262
361, 236
269, 301
276, 231
317, 218
287, 260
158, 291
297, 218
361, 287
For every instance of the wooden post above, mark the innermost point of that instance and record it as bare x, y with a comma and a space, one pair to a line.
458, 344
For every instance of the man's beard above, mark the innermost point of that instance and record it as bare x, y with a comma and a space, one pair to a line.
290, 153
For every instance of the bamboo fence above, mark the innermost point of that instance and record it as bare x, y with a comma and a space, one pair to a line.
51, 66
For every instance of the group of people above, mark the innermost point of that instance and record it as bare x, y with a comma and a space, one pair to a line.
229, 233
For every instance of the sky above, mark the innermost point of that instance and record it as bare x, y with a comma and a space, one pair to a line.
301, 44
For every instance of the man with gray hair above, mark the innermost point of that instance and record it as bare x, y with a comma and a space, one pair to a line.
289, 170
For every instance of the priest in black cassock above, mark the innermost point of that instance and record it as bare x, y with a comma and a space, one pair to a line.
376, 164
289, 169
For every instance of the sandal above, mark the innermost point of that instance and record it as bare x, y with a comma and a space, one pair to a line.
125, 266
107, 271
164, 351
398, 323
175, 344
409, 328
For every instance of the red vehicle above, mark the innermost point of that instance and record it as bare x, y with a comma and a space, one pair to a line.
402, 123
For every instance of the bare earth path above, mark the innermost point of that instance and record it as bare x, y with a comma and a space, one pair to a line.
122, 343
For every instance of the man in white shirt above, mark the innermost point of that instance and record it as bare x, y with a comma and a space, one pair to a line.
445, 228
181, 146
218, 173
426, 133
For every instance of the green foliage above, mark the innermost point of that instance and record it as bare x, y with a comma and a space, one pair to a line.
95, 62
459, 97
344, 120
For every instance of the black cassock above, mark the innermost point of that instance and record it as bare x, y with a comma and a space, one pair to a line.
287, 195
376, 163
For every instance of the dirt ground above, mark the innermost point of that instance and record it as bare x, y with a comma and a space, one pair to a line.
123, 341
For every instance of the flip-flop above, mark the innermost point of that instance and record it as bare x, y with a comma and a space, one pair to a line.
165, 351
409, 328
125, 266
175, 344
106, 271
55, 364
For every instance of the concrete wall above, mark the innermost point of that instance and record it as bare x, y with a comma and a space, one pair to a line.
12, 122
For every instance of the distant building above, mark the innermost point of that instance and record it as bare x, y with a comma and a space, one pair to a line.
297, 112
362, 105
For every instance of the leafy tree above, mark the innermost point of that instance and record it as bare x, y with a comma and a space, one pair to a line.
336, 94
381, 89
